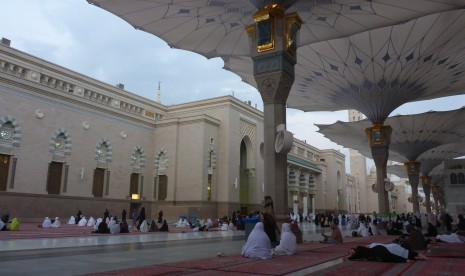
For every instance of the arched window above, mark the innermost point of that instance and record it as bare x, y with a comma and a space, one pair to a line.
461, 178
453, 178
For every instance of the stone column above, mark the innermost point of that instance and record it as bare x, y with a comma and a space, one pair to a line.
413, 171
426, 183
435, 191
295, 202
312, 198
273, 51
379, 137
305, 204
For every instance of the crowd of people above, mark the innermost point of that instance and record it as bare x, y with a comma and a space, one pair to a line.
413, 232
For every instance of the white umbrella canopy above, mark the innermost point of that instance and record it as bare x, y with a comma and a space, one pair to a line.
216, 28
412, 135
377, 71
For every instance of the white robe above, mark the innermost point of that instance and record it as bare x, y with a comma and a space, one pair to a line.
452, 238
114, 227
258, 245
1, 224
394, 248
231, 226
99, 220
83, 222
287, 244
362, 231
47, 223
179, 224
56, 223
91, 222
71, 220
224, 227
144, 227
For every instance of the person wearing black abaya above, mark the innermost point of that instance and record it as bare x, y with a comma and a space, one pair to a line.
141, 217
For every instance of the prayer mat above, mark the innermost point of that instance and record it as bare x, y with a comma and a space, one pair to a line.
307, 246
214, 262
357, 268
283, 264
146, 271
437, 266
451, 250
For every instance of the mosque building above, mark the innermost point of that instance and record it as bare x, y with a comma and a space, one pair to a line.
69, 142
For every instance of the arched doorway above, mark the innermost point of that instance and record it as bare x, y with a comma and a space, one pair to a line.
244, 167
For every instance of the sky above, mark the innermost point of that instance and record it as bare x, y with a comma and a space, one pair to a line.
98, 44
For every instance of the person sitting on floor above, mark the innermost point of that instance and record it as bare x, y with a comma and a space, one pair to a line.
14, 225
374, 228
287, 244
83, 221
2, 226
47, 223
414, 240
336, 235
71, 220
114, 226
102, 228
258, 245
56, 223
390, 252
153, 226
91, 222
99, 220
144, 227
164, 227
124, 227
362, 230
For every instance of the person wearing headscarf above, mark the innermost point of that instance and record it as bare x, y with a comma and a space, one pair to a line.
123, 215
91, 222
124, 227
14, 225
47, 223
461, 224
102, 228
114, 226
160, 217
78, 217
106, 215
374, 228
144, 226
56, 223
97, 223
362, 231
288, 243
71, 220
390, 252
270, 226
83, 221
164, 227
258, 245
208, 224
153, 226
179, 223
141, 217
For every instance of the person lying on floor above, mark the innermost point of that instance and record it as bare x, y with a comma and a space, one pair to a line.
336, 235
390, 252
288, 243
458, 237
258, 245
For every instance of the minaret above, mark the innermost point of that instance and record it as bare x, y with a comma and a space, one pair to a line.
158, 93
358, 169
